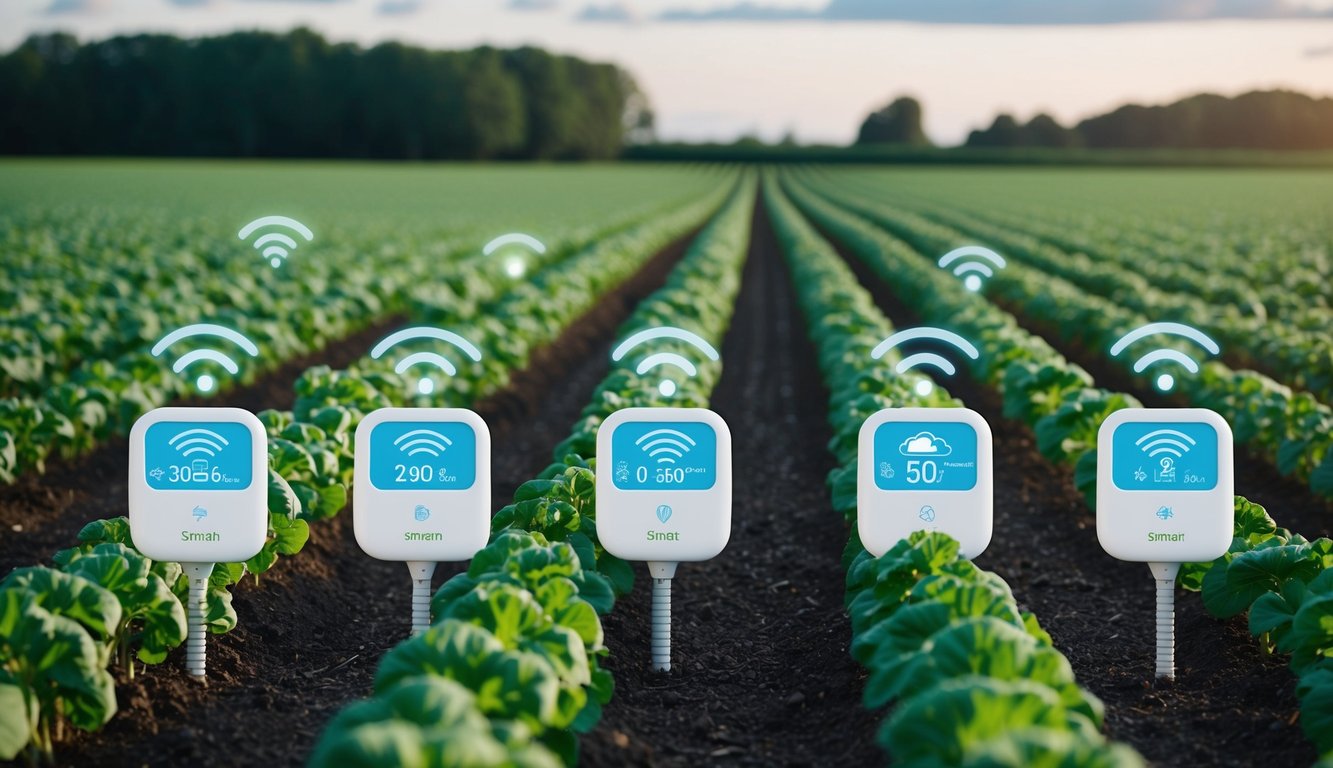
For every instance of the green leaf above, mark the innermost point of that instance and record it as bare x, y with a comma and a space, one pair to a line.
1315, 691
16, 716
941, 725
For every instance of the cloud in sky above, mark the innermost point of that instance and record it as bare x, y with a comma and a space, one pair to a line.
992, 12
62, 7
609, 12
398, 7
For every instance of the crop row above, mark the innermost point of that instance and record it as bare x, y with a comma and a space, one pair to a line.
508, 673
110, 324
1244, 264
103, 582
1065, 409
1293, 430
1296, 351
1264, 233
976, 681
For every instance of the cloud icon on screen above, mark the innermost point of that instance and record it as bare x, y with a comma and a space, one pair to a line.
924, 444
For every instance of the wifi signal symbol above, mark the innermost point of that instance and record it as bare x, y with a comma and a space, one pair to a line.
205, 382
973, 266
665, 445
275, 246
514, 265
1165, 382
667, 387
424, 384
426, 441
924, 386
1166, 441
193, 441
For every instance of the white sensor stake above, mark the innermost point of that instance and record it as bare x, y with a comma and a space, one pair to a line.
926, 469
664, 497
198, 489
1165, 496
422, 491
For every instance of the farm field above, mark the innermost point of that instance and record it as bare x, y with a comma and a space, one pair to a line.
794, 646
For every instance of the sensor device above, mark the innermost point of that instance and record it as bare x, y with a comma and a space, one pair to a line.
1165, 496
422, 491
926, 469
663, 496
198, 495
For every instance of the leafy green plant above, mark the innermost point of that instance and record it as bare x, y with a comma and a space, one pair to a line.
152, 619
56, 630
520, 629
975, 680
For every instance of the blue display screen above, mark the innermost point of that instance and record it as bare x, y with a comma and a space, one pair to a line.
198, 456
423, 456
1164, 456
664, 456
925, 456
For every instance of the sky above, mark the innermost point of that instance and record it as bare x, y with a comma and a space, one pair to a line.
720, 69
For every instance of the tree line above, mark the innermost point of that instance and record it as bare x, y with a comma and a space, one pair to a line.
259, 94
1259, 120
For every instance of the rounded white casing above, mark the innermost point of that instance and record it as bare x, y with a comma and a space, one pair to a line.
200, 522
955, 495
662, 523
388, 519
1163, 522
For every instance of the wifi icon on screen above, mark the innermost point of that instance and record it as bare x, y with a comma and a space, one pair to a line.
666, 445
947, 338
1165, 381
428, 359
426, 441
196, 441
661, 359
974, 263
276, 244
1170, 442
205, 382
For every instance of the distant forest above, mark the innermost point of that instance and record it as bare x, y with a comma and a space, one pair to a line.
1260, 120
256, 94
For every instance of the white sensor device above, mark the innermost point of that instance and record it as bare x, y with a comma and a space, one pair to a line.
1165, 496
663, 496
422, 491
198, 495
925, 469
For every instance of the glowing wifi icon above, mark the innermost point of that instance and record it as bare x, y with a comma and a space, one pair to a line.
667, 387
425, 385
426, 441
514, 265
275, 246
665, 445
205, 382
924, 386
973, 264
1165, 381
196, 441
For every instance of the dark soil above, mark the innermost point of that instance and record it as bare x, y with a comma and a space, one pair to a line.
761, 674
311, 632
1230, 704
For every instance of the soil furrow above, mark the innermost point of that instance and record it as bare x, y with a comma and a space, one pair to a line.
761, 672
